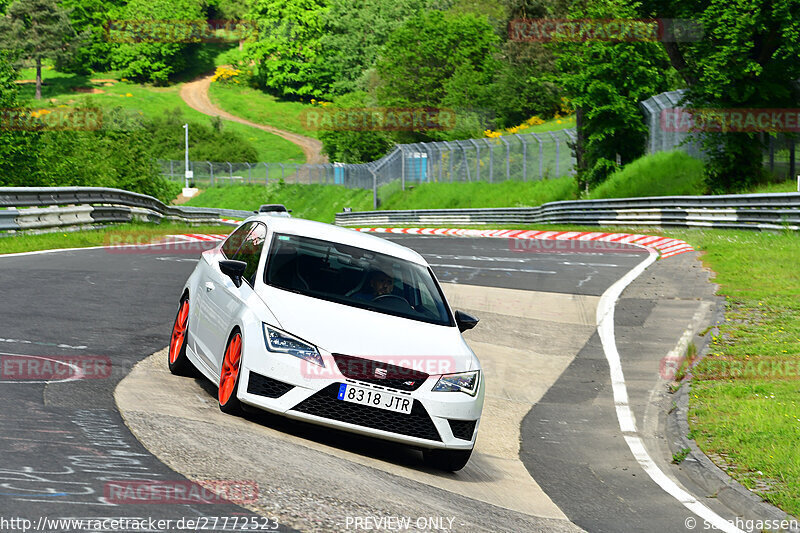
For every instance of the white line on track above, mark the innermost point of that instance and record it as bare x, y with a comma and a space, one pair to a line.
627, 422
75, 377
465, 267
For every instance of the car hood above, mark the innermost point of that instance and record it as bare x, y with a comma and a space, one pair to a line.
342, 329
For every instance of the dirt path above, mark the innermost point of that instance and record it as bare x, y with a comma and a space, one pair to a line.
195, 94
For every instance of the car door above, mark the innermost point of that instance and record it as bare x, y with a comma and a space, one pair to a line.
226, 300
207, 315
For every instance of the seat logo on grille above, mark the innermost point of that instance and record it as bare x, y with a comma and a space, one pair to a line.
380, 373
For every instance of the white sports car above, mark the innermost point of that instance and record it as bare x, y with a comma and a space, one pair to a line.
335, 327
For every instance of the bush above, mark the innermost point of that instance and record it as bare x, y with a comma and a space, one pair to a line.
207, 142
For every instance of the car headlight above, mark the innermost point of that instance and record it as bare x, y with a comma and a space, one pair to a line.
462, 382
281, 342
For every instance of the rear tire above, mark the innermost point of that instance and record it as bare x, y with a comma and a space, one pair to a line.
229, 376
179, 364
450, 460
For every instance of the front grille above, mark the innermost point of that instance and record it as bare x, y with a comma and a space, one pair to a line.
463, 429
326, 405
264, 386
395, 377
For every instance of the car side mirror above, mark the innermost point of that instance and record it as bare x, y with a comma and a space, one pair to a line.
233, 269
465, 321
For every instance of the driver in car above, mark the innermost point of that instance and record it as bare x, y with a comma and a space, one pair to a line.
378, 283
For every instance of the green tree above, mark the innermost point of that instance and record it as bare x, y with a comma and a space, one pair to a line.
355, 31
355, 146
748, 58
605, 82
37, 30
424, 53
156, 59
91, 18
288, 46
16, 150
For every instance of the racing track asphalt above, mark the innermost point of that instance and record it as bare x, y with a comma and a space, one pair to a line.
61, 442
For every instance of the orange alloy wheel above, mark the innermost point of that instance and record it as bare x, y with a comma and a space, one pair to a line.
230, 369
179, 332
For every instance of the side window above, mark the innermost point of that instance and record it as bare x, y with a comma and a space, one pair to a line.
235, 240
250, 251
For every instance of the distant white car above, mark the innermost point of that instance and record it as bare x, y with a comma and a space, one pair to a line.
334, 327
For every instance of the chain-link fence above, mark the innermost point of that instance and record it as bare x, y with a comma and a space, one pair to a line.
522, 157
669, 128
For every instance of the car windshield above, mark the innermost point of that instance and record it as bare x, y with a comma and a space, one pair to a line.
356, 277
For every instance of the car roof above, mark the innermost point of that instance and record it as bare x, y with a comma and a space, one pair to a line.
329, 232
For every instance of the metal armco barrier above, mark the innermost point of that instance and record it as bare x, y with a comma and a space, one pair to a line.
57, 207
737, 211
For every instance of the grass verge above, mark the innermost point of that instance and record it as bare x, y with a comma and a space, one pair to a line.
110, 92
260, 107
659, 174
482, 194
99, 237
312, 202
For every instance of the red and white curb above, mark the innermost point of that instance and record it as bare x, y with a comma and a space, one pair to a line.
202, 237
665, 246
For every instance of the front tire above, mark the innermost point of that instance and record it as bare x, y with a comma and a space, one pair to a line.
450, 460
179, 364
229, 376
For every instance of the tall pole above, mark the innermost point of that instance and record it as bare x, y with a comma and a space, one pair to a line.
186, 156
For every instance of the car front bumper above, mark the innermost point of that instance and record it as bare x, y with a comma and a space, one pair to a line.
284, 384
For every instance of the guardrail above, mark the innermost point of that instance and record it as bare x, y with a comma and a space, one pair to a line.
737, 211
44, 208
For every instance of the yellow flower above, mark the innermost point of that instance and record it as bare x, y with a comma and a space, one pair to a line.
128, 95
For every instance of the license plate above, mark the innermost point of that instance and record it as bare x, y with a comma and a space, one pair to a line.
373, 398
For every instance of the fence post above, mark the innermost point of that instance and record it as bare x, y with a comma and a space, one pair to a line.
558, 152
464, 153
402, 168
452, 154
171, 174
524, 156
374, 188
573, 136
283, 177
508, 157
230, 172
488, 143
249, 174
212, 172
541, 155
477, 160
428, 161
